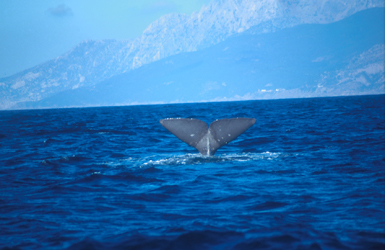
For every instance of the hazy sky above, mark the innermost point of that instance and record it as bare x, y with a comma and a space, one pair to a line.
32, 32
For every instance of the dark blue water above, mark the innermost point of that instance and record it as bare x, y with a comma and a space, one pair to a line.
310, 174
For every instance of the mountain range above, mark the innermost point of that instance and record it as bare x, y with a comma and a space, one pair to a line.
229, 50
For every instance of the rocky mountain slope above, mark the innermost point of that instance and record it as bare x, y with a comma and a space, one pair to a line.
310, 60
94, 61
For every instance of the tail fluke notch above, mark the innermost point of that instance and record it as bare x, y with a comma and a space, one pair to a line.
206, 139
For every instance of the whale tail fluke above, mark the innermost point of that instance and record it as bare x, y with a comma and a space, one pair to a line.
207, 140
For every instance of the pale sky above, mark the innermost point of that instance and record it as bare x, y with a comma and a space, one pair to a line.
32, 32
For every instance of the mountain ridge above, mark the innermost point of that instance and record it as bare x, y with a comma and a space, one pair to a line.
310, 60
94, 61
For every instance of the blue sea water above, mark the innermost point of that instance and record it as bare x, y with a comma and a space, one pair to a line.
310, 174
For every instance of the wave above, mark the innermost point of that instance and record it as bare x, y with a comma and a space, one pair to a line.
219, 240
194, 159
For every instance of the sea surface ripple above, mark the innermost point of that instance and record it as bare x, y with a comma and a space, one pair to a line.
310, 174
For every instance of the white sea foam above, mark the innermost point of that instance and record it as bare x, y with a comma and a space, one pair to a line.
197, 159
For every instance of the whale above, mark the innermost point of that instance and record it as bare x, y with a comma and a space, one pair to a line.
207, 139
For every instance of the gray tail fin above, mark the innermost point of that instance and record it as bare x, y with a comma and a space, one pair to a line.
195, 132
189, 131
227, 130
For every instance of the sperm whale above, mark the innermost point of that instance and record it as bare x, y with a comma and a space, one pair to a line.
207, 140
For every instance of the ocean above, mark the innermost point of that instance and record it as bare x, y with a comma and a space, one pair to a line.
310, 174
